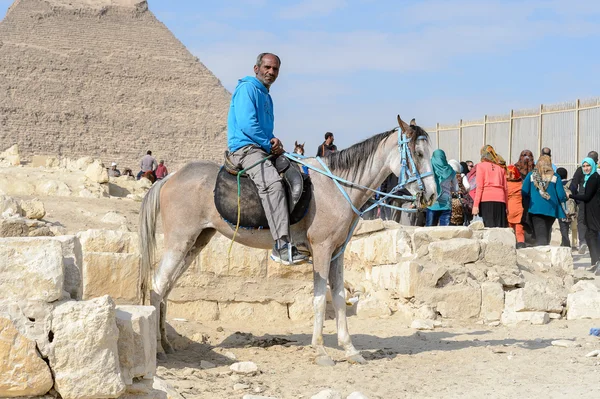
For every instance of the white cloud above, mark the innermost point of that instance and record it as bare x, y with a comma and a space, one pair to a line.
311, 8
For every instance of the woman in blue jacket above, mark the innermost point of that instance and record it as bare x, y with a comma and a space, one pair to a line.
544, 192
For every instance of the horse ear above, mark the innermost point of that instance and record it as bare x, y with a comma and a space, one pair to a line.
296, 143
303, 144
402, 124
413, 122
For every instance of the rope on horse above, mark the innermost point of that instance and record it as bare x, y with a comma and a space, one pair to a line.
239, 205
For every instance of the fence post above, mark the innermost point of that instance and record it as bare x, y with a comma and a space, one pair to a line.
484, 130
540, 130
437, 135
510, 137
577, 149
460, 140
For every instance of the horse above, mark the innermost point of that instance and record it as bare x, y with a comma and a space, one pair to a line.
150, 176
299, 148
190, 219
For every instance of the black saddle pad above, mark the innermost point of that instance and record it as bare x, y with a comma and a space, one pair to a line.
252, 212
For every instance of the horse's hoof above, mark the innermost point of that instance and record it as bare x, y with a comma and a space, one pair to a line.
324, 361
356, 359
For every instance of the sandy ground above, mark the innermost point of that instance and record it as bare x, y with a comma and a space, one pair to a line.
458, 360
455, 361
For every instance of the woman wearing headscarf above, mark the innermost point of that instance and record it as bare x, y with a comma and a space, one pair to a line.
525, 163
515, 204
591, 200
445, 179
544, 192
458, 209
491, 193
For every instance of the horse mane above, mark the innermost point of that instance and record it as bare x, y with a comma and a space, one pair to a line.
358, 156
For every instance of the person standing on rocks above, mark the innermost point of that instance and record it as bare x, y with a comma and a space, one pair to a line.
250, 140
445, 179
161, 170
113, 171
491, 195
543, 192
515, 204
577, 187
591, 202
327, 147
147, 164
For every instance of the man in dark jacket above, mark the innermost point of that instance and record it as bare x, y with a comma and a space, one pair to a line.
576, 187
327, 147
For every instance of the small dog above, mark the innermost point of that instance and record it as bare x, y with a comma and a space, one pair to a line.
299, 148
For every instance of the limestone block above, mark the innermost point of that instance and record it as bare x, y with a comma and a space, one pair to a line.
303, 271
53, 188
12, 186
454, 251
255, 311
492, 301
84, 354
95, 190
402, 277
167, 390
380, 248
422, 236
38, 161
535, 297
114, 274
455, 301
96, 172
547, 259
14, 227
10, 156
108, 241
368, 226
30, 319
83, 163
33, 209
372, 306
22, 371
197, 310
242, 262
9, 207
31, 268
584, 285
583, 305
302, 308
508, 276
137, 341
499, 247
535, 318
114, 217
72, 259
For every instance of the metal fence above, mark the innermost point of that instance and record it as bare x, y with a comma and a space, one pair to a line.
569, 129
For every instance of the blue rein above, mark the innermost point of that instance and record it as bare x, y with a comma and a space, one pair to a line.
408, 174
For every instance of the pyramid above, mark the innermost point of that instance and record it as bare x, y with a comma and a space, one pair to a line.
105, 78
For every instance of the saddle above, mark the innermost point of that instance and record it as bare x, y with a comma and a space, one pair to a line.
297, 186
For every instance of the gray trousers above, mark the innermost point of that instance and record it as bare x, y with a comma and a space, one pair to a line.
270, 188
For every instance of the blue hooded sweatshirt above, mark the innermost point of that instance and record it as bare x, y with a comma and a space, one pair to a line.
250, 119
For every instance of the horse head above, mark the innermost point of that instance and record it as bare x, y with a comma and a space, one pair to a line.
299, 148
418, 150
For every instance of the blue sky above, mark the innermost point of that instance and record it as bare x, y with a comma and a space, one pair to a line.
349, 66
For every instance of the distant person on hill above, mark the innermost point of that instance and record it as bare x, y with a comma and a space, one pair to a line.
161, 171
113, 171
147, 164
327, 147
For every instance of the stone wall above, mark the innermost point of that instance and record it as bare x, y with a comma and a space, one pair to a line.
106, 79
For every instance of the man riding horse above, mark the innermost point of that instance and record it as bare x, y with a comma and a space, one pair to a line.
250, 139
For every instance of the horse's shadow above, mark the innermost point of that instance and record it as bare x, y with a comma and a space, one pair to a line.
374, 347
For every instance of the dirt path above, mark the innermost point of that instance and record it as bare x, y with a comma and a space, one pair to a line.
456, 361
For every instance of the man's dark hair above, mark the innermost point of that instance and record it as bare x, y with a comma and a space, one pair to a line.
562, 172
149, 152
328, 135
467, 162
593, 155
546, 151
261, 56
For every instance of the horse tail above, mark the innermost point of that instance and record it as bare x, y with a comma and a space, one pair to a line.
147, 233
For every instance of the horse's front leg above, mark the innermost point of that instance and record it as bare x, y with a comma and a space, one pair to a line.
336, 281
321, 263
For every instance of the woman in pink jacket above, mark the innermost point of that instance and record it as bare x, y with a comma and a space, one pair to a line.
491, 195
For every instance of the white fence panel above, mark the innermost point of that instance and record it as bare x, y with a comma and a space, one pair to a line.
450, 142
